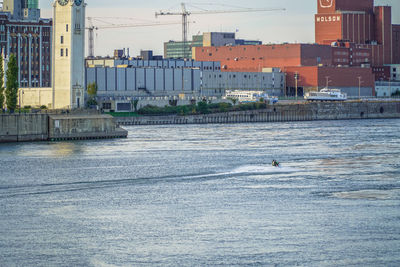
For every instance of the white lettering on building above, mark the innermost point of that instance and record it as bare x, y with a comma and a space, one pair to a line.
328, 19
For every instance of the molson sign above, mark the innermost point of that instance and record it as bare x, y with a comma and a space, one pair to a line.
333, 18
326, 3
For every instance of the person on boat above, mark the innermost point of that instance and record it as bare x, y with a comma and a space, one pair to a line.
275, 163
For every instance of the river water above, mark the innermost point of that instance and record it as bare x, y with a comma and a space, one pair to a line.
206, 195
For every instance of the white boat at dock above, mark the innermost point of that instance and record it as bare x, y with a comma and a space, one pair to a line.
326, 95
249, 96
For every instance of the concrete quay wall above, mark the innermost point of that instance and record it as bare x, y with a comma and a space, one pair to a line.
282, 113
23, 127
44, 127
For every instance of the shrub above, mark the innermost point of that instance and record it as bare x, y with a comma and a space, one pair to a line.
202, 107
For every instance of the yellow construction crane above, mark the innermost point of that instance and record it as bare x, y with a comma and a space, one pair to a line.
185, 13
91, 28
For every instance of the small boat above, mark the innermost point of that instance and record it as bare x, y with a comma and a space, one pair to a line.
326, 95
275, 163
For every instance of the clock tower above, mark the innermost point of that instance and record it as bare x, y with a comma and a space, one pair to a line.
68, 54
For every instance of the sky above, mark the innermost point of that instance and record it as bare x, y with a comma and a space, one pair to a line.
295, 24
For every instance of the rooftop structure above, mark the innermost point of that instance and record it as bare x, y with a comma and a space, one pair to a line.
22, 9
174, 49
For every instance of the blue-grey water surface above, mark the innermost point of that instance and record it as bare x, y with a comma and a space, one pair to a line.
206, 195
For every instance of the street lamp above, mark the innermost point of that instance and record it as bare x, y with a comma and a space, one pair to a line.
285, 84
296, 77
327, 81
359, 86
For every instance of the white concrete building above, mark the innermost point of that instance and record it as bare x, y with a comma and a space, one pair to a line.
386, 89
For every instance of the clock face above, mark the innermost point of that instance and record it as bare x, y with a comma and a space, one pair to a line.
326, 3
63, 2
78, 2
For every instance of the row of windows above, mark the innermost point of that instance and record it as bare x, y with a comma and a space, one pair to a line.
16, 29
341, 60
362, 54
62, 52
245, 76
339, 53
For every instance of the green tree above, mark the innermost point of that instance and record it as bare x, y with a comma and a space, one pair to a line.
12, 83
135, 103
1, 84
92, 93
233, 100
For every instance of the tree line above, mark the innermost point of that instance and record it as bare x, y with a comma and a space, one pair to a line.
9, 94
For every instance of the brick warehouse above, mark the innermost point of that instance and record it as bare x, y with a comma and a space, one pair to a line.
342, 56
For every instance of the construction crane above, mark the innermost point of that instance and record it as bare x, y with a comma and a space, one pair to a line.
91, 28
185, 13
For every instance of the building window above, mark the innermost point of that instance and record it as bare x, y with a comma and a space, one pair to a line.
106, 105
62, 52
66, 52
62, 39
66, 28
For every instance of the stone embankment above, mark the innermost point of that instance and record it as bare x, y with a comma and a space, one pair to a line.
282, 113
44, 127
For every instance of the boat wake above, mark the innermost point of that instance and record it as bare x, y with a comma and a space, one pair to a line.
262, 169
39, 189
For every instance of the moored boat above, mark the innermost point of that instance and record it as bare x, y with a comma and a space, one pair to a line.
326, 95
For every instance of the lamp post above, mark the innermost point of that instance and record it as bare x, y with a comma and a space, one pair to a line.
359, 87
296, 77
285, 84
327, 81
19, 100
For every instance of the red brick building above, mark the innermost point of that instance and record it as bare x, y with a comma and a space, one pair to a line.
396, 44
361, 23
354, 40
311, 62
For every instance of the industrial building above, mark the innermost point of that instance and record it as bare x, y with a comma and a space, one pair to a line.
354, 40
27, 36
122, 80
179, 49
359, 22
310, 64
